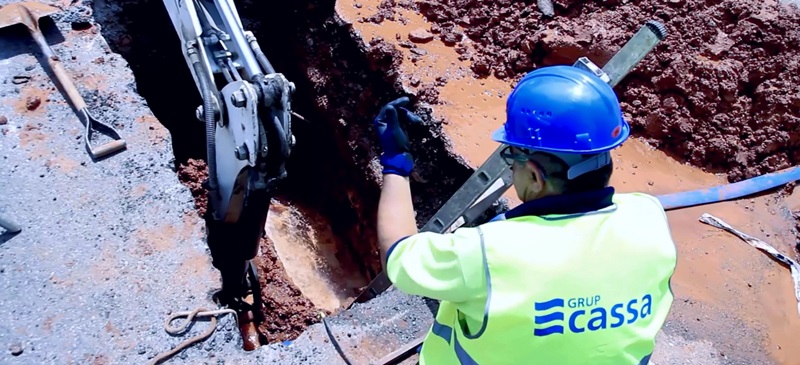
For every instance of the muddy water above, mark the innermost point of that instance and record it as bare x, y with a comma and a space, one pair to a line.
743, 294
312, 256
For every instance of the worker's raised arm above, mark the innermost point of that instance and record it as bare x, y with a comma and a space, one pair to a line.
395, 213
395, 209
439, 266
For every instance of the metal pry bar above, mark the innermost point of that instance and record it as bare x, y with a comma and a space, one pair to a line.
475, 196
634, 51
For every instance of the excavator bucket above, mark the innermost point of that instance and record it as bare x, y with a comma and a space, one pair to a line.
27, 13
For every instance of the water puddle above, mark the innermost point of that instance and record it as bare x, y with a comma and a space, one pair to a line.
314, 258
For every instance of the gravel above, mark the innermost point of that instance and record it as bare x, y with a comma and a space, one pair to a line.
109, 248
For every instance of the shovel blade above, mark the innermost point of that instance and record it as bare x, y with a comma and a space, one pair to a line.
27, 13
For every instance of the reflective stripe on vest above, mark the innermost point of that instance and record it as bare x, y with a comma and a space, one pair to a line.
567, 290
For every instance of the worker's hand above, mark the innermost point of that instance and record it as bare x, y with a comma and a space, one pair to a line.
396, 158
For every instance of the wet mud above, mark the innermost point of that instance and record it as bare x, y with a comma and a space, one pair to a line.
287, 312
722, 92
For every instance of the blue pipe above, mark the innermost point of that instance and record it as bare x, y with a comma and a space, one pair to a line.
729, 191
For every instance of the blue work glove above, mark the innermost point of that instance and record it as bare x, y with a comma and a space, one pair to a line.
396, 158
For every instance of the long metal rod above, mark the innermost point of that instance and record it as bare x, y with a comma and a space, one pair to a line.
494, 168
490, 171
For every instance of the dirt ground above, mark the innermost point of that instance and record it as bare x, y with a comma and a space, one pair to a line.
733, 304
722, 92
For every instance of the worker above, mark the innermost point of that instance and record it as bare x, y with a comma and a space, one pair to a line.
576, 274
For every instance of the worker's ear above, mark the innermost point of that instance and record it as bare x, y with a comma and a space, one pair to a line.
537, 176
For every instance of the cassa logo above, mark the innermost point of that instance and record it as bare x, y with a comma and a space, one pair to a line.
587, 314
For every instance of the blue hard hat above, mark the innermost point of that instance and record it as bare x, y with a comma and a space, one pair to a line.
564, 110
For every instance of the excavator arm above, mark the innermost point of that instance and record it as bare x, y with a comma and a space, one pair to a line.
246, 111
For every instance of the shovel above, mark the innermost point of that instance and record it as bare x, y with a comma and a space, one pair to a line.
28, 13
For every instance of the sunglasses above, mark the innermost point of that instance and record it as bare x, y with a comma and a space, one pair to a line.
509, 157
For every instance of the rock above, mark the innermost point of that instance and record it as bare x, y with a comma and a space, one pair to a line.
16, 349
3, 120
481, 67
20, 79
451, 38
419, 51
420, 35
33, 102
526, 46
722, 44
546, 7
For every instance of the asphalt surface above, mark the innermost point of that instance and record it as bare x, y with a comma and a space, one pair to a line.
109, 248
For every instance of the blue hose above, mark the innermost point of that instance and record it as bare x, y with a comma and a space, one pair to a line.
729, 191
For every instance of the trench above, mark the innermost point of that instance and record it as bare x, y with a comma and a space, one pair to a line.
320, 250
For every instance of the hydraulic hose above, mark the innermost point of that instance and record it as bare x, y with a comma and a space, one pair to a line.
260, 56
208, 117
729, 191
284, 141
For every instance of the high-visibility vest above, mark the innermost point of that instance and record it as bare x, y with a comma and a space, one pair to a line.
588, 288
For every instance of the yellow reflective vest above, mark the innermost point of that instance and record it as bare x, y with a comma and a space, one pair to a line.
566, 289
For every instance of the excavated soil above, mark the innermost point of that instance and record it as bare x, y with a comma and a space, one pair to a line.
286, 311
333, 174
192, 174
721, 92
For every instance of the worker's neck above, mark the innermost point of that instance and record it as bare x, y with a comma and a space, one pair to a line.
569, 203
540, 195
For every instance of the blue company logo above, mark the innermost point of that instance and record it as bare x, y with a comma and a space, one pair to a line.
587, 314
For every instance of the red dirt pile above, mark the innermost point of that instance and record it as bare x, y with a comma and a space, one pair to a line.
286, 311
721, 92
192, 174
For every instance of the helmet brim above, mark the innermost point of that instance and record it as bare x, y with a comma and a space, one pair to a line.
500, 136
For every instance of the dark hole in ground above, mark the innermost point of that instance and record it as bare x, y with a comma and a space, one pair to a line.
322, 225
309, 223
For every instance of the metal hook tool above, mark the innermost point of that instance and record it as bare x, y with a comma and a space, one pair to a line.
28, 14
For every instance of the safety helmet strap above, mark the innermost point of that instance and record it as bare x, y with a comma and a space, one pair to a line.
579, 164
